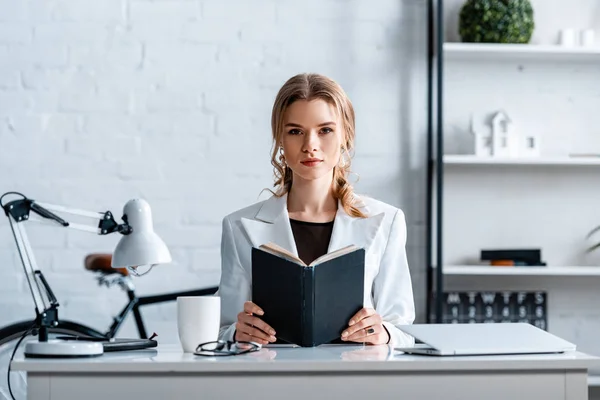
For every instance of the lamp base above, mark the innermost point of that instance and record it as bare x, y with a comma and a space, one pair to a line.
62, 349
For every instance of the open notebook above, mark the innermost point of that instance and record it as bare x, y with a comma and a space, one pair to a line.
305, 305
281, 252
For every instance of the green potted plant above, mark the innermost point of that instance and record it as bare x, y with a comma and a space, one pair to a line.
496, 21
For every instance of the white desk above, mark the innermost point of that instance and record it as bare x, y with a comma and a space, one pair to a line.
329, 372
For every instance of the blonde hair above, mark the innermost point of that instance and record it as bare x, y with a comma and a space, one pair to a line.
310, 87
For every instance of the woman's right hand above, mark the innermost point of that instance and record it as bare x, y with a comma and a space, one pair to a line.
250, 328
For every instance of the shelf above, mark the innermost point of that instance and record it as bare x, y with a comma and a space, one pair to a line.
521, 271
474, 160
493, 51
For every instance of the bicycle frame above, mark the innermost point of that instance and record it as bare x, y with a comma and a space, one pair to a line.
135, 303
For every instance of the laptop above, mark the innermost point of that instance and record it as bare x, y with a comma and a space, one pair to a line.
482, 339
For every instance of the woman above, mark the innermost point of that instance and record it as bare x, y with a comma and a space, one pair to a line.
314, 211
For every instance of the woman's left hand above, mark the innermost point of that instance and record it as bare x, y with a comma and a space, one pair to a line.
366, 327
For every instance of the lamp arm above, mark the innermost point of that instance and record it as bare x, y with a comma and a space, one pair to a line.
26, 209
23, 210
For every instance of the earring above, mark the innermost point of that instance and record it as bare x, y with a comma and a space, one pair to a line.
344, 158
281, 157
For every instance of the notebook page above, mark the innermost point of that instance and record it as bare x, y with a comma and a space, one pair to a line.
334, 254
274, 249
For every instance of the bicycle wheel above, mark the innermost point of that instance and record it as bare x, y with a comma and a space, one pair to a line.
10, 335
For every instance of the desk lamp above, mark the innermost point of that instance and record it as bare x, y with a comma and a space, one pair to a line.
139, 247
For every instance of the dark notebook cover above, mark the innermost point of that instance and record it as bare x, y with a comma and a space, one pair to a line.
308, 306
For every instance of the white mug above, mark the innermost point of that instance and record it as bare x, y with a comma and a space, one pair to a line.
198, 319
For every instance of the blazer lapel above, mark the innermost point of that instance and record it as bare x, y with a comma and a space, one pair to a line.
271, 224
348, 230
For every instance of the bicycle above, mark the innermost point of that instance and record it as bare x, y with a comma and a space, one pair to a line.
100, 264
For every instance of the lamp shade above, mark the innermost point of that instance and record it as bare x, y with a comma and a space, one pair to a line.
142, 247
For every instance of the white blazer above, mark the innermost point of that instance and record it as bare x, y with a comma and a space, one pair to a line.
388, 287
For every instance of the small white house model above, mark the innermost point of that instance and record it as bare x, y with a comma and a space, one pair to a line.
504, 138
501, 139
482, 139
530, 146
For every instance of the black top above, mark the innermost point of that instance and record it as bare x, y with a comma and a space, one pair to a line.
312, 238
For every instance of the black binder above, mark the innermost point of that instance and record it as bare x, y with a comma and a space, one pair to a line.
308, 305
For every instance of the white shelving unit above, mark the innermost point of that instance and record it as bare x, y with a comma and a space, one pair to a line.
521, 271
506, 171
494, 52
542, 161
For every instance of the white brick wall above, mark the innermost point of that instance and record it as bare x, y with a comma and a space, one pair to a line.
170, 100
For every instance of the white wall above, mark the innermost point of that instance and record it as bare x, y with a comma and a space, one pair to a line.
170, 100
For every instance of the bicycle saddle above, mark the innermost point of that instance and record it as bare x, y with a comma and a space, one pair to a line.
101, 262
